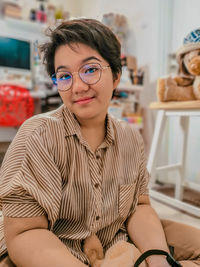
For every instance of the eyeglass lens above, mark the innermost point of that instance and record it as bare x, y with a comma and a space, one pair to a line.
89, 74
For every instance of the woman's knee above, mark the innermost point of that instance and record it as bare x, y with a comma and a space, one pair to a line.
185, 240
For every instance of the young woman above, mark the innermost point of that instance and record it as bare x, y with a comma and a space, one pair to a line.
77, 171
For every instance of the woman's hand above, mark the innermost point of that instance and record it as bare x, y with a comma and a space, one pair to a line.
157, 261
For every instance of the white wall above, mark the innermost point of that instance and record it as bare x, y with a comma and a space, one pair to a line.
185, 19
143, 24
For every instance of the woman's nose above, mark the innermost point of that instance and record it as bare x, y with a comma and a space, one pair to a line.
78, 85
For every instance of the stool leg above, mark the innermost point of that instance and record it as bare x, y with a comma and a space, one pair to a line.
184, 122
156, 142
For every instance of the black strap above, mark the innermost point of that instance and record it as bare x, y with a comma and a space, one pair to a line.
151, 252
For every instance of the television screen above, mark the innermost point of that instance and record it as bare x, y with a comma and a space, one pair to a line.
15, 53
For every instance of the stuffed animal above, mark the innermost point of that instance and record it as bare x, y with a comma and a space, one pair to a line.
186, 85
120, 254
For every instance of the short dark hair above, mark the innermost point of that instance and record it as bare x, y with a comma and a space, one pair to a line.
90, 32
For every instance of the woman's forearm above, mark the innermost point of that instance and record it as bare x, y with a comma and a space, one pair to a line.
40, 248
145, 230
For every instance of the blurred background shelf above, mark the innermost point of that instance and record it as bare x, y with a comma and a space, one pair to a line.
25, 25
129, 87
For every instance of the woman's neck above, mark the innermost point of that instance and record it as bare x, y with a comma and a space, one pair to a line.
93, 132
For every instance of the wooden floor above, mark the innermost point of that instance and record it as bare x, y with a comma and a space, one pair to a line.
166, 212
190, 196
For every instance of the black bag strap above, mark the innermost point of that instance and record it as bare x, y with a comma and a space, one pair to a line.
151, 252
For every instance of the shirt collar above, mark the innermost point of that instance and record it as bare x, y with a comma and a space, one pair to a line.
110, 137
71, 124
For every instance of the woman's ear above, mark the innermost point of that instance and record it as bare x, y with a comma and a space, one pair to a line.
116, 81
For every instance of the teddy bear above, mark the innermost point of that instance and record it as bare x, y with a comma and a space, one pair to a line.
186, 85
120, 254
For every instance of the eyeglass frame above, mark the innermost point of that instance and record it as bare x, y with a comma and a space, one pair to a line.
72, 73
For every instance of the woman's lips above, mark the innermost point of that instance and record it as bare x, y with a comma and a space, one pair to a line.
85, 100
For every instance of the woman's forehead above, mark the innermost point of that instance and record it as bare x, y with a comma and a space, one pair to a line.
75, 55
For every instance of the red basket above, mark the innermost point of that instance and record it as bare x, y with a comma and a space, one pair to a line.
16, 105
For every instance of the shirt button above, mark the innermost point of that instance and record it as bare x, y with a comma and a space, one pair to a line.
97, 157
97, 218
96, 185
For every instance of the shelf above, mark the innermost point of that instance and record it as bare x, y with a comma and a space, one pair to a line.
24, 24
42, 93
7, 133
38, 94
137, 126
129, 87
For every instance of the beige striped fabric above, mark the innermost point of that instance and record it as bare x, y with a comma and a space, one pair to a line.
50, 169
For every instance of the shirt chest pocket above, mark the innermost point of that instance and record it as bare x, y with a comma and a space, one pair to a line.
126, 194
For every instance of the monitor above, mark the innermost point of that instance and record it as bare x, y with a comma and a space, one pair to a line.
15, 53
16, 60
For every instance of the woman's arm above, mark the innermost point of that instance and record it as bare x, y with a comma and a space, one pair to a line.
31, 244
145, 230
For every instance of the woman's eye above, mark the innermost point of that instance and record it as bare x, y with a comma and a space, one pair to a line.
65, 77
91, 70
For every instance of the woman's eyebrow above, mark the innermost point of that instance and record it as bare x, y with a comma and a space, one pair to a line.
90, 58
61, 67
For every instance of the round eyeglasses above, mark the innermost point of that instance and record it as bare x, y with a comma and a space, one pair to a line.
89, 73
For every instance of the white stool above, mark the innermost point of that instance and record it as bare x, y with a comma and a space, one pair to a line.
184, 110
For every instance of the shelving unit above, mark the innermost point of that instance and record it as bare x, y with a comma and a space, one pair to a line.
118, 106
129, 87
23, 29
25, 24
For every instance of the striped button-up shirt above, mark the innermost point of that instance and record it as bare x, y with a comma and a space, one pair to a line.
49, 169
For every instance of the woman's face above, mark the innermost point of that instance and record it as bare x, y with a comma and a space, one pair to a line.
85, 101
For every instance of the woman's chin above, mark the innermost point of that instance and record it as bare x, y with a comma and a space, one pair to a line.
84, 117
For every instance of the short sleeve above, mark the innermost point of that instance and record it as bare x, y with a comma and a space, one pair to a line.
144, 177
30, 183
